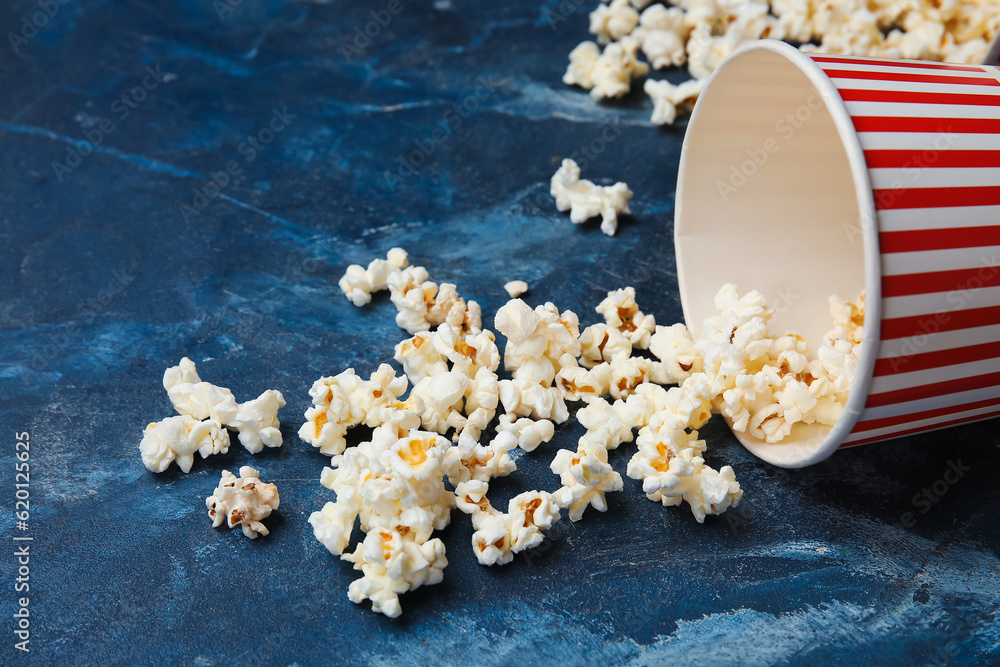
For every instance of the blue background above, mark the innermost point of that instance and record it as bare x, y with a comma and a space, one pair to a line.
106, 283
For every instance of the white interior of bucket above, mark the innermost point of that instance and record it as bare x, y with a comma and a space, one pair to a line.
771, 192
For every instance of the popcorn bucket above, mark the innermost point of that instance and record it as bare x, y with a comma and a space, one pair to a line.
807, 175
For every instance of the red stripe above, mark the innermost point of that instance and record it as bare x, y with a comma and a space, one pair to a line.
932, 390
922, 429
871, 424
913, 78
921, 325
936, 125
929, 157
936, 359
895, 63
946, 197
940, 281
918, 240
914, 97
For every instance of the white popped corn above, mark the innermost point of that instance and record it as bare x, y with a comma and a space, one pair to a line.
662, 34
615, 68
614, 21
257, 421
358, 283
585, 200
515, 288
668, 98
674, 347
600, 343
394, 486
194, 398
179, 439
243, 501
621, 312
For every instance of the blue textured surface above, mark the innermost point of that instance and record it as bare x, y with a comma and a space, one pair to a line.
106, 282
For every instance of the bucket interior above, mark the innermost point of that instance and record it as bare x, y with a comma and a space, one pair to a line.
772, 197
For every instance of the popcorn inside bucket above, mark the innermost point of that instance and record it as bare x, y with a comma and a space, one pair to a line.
773, 195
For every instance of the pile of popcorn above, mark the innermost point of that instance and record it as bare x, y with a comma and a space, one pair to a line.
701, 33
426, 454
206, 411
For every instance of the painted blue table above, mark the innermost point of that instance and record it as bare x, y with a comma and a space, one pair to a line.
241, 154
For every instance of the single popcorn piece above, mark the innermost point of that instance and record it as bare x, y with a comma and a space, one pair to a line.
257, 421
585, 200
515, 288
586, 478
600, 343
621, 312
179, 439
392, 564
358, 283
582, 61
662, 35
194, 398
530, 433
668, 98
612, 22
616, 67
243, 501
674, 347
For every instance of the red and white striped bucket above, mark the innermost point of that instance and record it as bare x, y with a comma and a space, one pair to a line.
806, 175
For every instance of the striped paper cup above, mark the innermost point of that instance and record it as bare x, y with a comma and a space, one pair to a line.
807, 175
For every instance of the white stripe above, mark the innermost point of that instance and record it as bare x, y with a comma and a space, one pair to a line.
914, 110
896, 178
890, 68
946, 340
932, 403
900, 219
976, 88
939, 304
991, 411
934, 141
926, 261
887, 383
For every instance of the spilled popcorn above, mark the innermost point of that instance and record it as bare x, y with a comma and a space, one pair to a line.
701, 33
243, 501
427, 455
206, 411
585, 200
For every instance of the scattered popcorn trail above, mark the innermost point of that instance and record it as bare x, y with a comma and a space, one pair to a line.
584, 200
394, 485
206, 412
701, 33
243, 501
